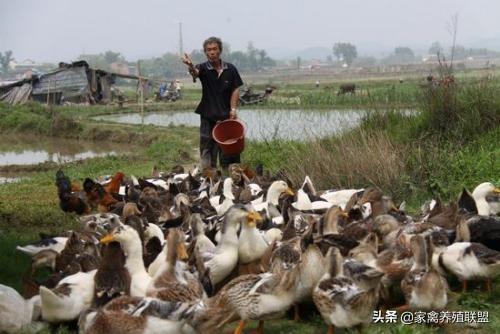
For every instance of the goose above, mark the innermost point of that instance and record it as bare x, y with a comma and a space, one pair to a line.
16, 313
132, 247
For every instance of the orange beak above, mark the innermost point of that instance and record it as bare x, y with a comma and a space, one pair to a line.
107, 239
182, 252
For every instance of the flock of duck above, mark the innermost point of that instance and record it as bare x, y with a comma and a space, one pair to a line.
191, 252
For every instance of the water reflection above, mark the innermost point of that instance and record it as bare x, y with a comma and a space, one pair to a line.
262, 124
27, 150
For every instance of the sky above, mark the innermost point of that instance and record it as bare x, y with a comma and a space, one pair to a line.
60, 30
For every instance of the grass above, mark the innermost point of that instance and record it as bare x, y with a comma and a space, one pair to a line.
435, 151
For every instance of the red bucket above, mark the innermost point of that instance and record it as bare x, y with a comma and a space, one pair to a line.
230, 135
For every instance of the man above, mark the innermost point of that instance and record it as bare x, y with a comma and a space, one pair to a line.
220, 82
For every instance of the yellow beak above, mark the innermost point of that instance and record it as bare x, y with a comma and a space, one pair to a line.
394, 208
344, 214
496, 190
289, 191
182, 252
107, 239
253, 217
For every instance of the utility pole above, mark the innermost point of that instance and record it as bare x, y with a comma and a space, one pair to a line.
181, 49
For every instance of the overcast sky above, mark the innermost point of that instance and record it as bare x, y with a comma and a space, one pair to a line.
54, 30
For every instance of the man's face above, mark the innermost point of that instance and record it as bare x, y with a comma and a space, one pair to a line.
212, 52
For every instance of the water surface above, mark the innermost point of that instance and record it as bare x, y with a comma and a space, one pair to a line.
262, 124
29, 150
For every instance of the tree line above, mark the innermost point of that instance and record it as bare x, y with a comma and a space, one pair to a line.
169, 64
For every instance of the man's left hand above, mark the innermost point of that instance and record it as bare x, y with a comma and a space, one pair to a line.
232, 114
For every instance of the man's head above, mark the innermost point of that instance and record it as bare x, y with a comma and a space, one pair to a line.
212, 47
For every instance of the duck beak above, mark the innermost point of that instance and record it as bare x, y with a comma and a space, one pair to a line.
182, 252
344, 214
394, 208
496, 190
107, 239
253, 217
289, 191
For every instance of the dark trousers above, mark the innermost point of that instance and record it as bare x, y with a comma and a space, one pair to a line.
209, 149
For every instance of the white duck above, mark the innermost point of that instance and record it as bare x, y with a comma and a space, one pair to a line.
72, 295
228, 198
272, 196
153, 230
468, 260
16, 313
203, 243
339, 197
252, 243
304, 203
56, 244
482, 195
132, 247
225, 257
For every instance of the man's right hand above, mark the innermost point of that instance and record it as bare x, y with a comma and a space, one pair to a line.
187, 60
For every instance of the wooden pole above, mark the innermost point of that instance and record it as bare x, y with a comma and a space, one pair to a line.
141, 87
48, 93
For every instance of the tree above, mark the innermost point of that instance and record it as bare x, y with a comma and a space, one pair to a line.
345, 51
239, 59
262, 57
460, 52
5, 59
435, 48
404, 54
112, 57
252, 53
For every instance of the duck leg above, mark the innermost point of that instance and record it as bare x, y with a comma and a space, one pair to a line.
330, 329
488, 285
239, 329
402, 308
296, 313
260, 329
464, 286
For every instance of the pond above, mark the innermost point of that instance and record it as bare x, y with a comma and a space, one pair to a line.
29, 150
262, 124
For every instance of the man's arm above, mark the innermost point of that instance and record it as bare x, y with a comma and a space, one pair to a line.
192, 69
235, 99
